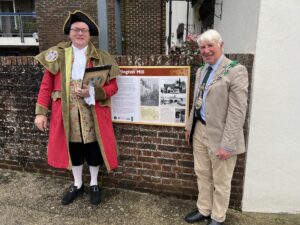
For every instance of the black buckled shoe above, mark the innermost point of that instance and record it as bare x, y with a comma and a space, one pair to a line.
195, 216
95, 194
72, 194
213, 222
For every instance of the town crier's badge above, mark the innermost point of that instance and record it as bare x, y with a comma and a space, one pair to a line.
51, 56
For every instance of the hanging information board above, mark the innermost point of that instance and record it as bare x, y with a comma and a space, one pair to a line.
156, 95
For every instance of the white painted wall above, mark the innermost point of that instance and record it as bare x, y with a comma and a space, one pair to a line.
272, 179
238, 24
179, 15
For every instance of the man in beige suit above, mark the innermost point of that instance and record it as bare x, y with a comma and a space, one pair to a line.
215, 127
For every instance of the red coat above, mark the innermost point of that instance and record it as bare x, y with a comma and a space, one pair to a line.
58, 154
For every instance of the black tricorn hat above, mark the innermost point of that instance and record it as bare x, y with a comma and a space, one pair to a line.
78, 16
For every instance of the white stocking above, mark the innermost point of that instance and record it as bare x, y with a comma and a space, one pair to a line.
77, 174
94, 175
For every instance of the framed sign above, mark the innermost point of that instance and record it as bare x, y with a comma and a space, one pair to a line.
156, 95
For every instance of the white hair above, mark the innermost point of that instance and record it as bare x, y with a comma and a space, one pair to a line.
210, 36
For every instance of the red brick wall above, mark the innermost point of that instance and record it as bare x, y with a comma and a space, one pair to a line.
143, 23
111, 26
153, 159
51, 16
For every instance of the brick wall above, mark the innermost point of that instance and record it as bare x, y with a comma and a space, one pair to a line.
153, 159
51, 16
111, 26
143, 24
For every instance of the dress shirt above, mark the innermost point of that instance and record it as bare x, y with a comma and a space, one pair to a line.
210, 79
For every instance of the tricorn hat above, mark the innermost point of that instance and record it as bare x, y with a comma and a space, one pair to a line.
78, 16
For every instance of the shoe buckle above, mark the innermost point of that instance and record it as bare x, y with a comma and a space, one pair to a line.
72, 189
95, 188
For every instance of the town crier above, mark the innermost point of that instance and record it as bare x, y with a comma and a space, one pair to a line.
80, 122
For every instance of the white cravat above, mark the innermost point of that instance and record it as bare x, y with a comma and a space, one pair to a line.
78, 69
79, 63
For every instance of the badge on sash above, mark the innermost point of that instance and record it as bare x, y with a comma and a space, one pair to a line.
51, 56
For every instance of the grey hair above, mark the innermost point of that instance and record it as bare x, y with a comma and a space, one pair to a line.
210, 36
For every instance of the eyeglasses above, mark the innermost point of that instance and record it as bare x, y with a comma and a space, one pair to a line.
78, 30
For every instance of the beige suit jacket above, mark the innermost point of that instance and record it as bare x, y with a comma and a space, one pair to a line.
226, 104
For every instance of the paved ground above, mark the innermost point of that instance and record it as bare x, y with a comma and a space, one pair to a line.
32, 199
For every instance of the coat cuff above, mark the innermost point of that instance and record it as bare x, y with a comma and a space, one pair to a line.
40, 110
99, 94
228, 149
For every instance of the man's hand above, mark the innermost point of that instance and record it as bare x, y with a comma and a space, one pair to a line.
82, 92
41, 122
187, 137
222, 154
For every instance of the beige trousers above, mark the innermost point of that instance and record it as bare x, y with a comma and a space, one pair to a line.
213, 176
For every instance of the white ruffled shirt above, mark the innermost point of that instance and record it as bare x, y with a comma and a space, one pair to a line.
78, 69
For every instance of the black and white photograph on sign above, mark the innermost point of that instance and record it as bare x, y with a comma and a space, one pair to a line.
179, 115
173, 86
149, 91
172, 100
